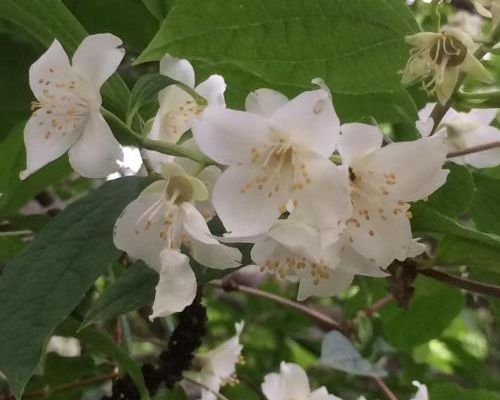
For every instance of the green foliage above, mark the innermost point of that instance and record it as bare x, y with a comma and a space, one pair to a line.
433, 307
43, 284
486, 205
448, 391
337, 352
272, 44
134, 289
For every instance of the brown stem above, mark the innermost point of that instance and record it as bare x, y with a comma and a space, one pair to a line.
389, 395
462, 283
474, 149
66, 386
373, 308
310, 312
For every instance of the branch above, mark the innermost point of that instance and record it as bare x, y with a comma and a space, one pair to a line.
389, 395
462, 283
310, 312
373, 308
474, 149
67, 386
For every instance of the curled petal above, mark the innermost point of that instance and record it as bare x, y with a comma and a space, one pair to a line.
176, 288
213, 90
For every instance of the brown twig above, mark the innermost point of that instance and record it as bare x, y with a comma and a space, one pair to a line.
310, 312
66, 386
474, 149
389, 395
373, 308
462, 283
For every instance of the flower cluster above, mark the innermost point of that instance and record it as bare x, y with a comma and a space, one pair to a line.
321, 201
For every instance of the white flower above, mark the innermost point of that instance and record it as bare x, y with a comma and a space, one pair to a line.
158, 223
464, 130
178, 109
292, 383
277, 151
383, 180
422, 393
437, 60
219, 365
67, 115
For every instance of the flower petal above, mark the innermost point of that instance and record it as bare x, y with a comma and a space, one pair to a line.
325, 200
353, 262
426, 157
176, 288
483, 116
487, 158
222, 360
445, 88
179, 69
310, 120
422, 392
246, 212
207, 250
358, 140
475, 68
97, 58
212, 89
96, 153
228, 136
322, 394
134, 234
290, 383
44, 143
53, 64
337, 281
265, 102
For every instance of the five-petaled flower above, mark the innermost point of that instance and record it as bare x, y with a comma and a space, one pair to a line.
437, 60
66, 115
277, 155
161, 221
383, 181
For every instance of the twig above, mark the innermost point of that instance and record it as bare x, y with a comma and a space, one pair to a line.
310, 312
474, 149
68, 386
389, 395
467, 284
373, 308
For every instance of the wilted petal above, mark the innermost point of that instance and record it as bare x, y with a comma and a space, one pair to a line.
96, 153
97, 58
176, 288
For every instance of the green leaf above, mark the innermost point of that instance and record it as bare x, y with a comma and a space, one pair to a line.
455, 250
158, 8
455, 196
132, 290
44, 283
448, 391
486, 204
46, 20
284, 44
9, 247
145, 91
433, 308
427, 220
337, 352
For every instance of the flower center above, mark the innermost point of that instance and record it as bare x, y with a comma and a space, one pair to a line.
178, 120
448, 49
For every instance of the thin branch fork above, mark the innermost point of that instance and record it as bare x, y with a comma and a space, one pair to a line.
462, 283
310, 312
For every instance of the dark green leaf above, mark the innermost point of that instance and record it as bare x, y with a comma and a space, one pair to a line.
450, 391
337, 352
134, 289
9, 247
455, 250
43, 284
46, 20
433, 308
486, 204
145, 91
455, 196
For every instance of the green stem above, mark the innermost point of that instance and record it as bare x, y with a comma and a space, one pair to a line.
127, 136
